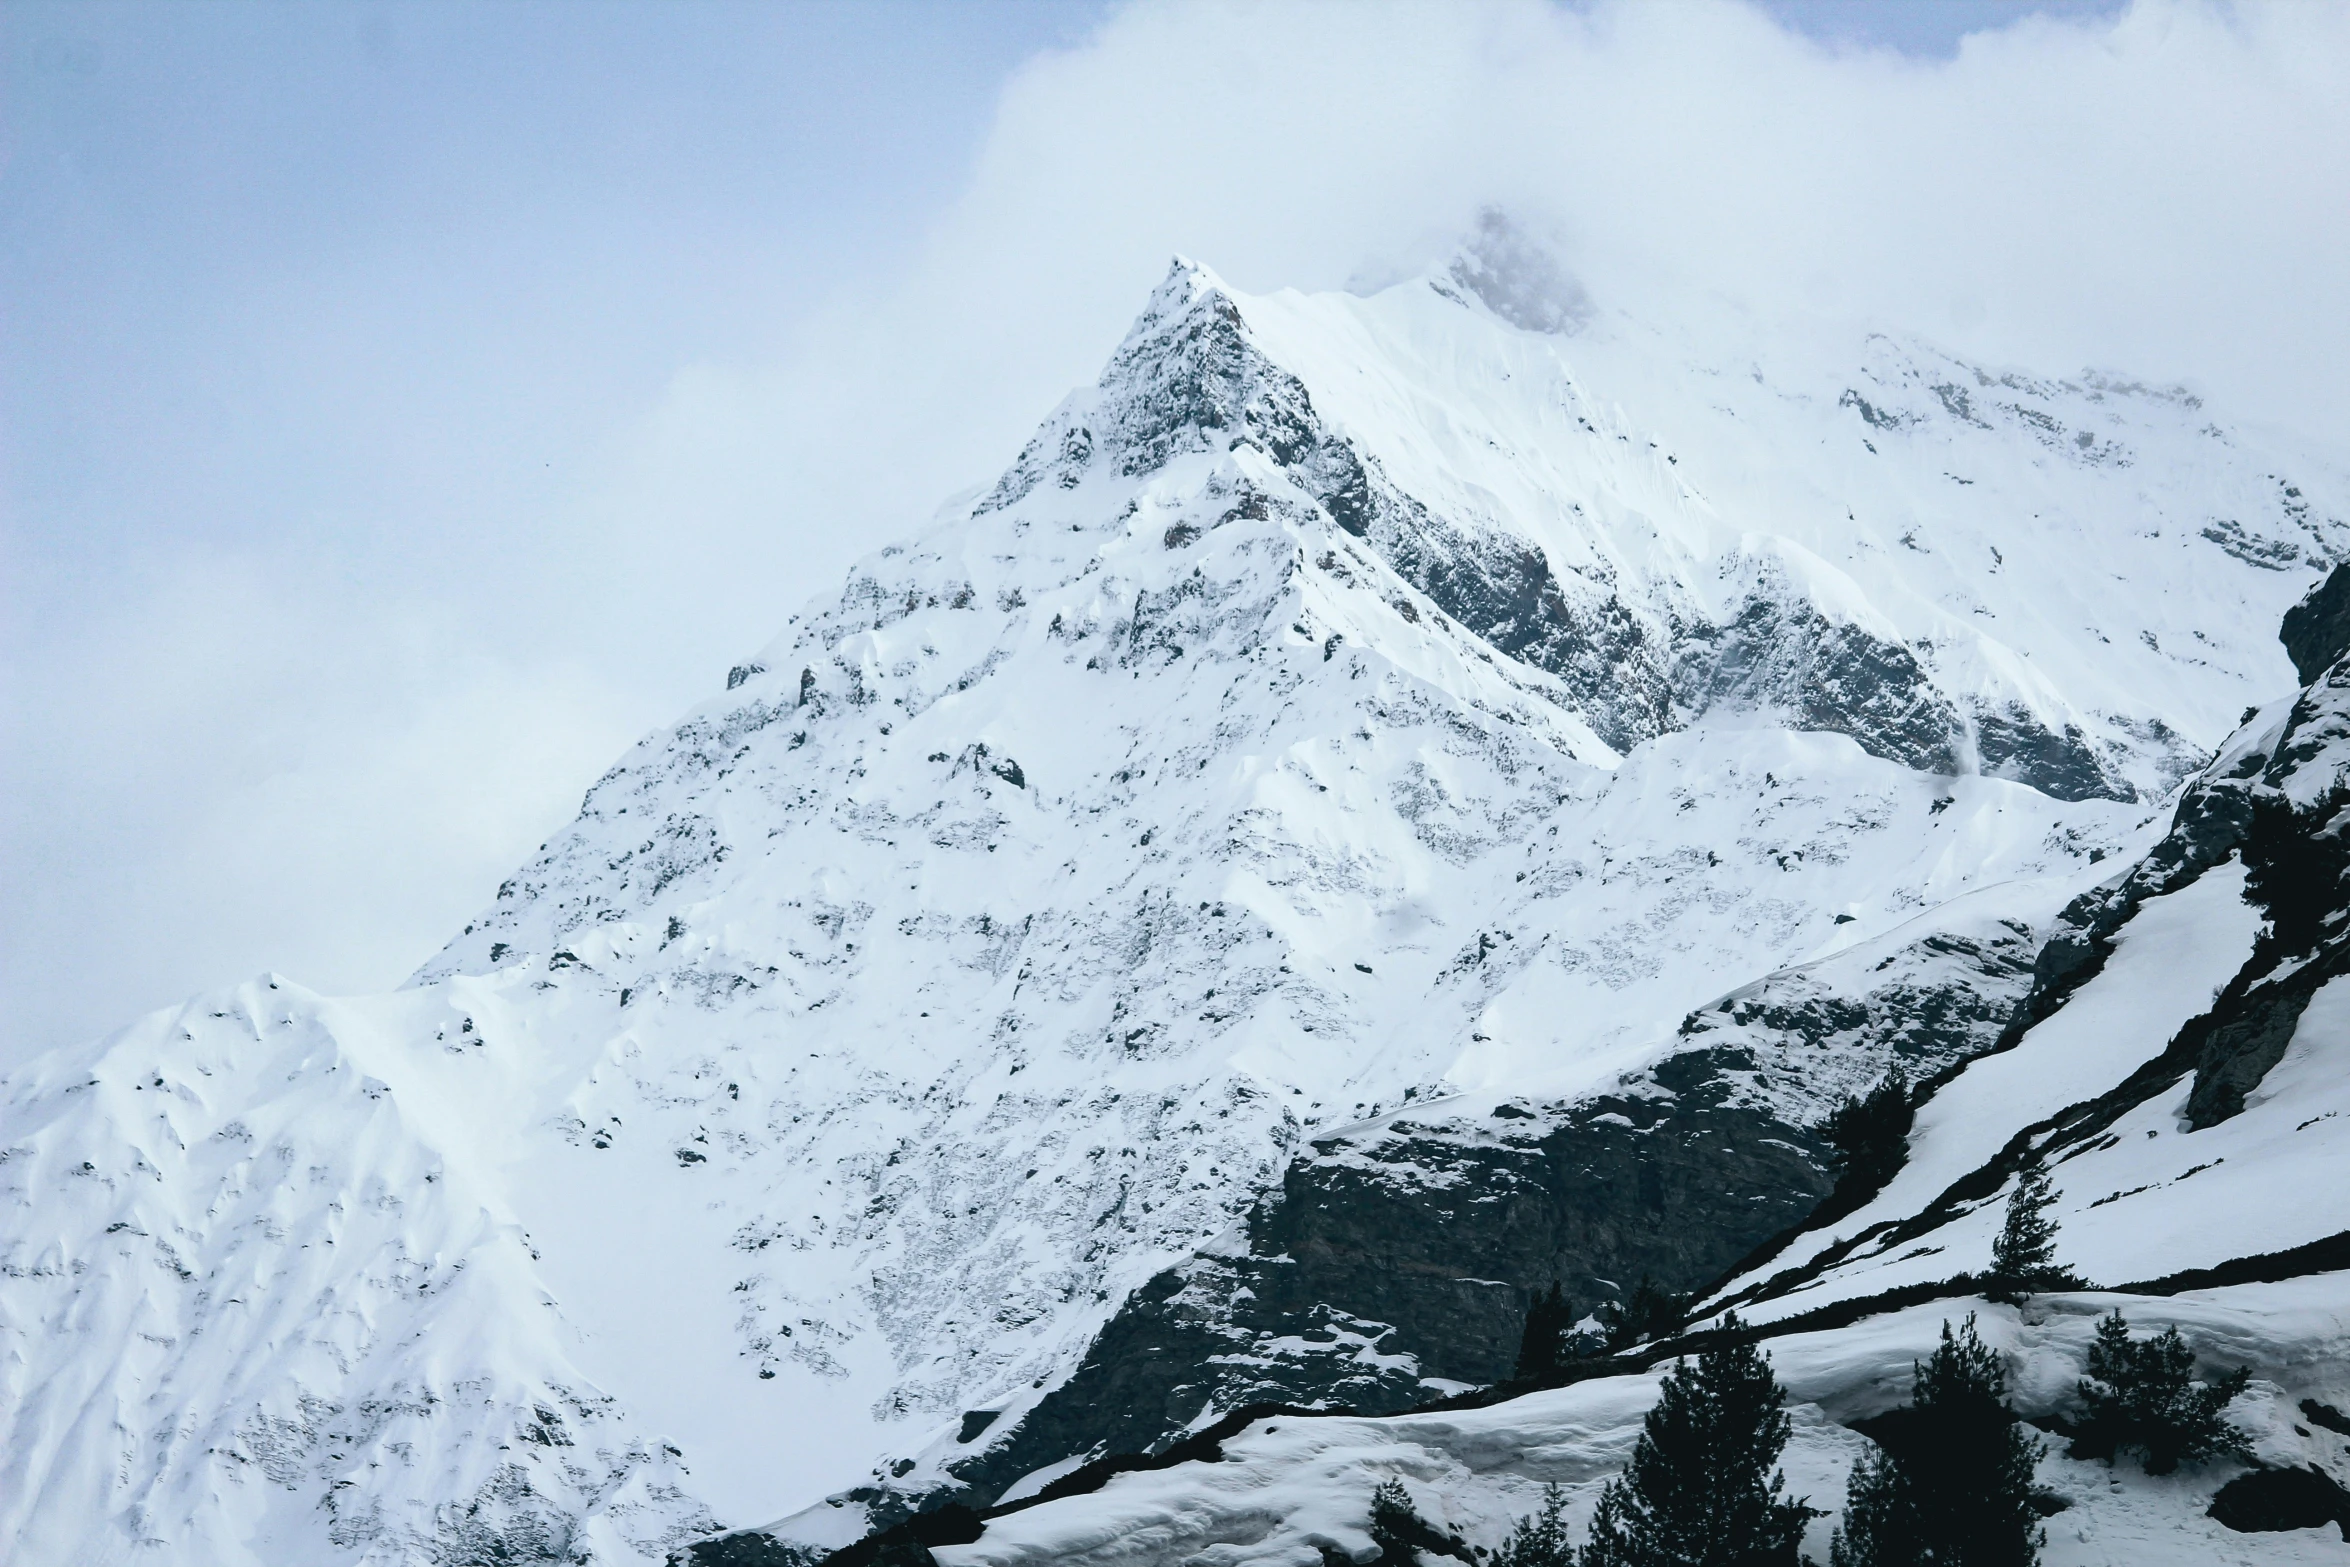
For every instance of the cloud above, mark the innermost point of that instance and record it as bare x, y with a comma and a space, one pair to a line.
320, 747
241, 758
2156, 192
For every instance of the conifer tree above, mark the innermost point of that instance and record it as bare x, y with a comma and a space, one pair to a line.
1396, 1525
1875, 1529
1542, 1349
1870, 1134
2143, 1396
1540, 1539
1951, 1482
2023, 1259
1703, 1487
1402, 1534
1649, 1313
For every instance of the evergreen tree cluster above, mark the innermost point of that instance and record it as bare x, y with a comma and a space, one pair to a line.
1703, 1487
2142, 1396
1869, 1134
1545, 1346
1949, 1483
1539, 1540
1549, 1340
1650, 1312
1401, 1533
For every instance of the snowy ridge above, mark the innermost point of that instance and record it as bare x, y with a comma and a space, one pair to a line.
2200, 1013
2199, 1036
1346, 698
303, 1325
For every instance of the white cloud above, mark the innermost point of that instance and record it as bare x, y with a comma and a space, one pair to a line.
328, 764
246, 768
2159, 193
2155, 193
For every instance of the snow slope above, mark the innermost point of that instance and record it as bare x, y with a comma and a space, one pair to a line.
1346, 698
1287, 1490
2195, 1027
2183, 1045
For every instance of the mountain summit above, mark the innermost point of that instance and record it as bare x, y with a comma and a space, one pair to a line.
1388, 803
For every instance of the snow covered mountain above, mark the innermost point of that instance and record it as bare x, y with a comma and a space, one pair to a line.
1389, 801
2184, 1025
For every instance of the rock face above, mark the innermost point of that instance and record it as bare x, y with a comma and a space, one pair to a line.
1353, 1290
1388, 803
1399, 1254
2165, 1050
2316, 632
2209, 974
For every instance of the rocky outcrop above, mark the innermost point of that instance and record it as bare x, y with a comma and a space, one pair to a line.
1190, 379
1397, 1260
2013, 744
2316, 631
1780, 652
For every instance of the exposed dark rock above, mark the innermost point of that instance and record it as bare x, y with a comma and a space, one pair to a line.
2245, 1039
2015, 745
1942, 999
2250, 548
2210, 823
2267, 1500
2298, 865
1409, 1249
2316, 632
1874, 417
2326, 1415
1408, 1252
1504, 590
1188, 379
2298, 873
748, 1548
906, 1542
1781, 653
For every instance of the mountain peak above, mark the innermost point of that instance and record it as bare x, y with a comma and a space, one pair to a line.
1364, 755
1516, 276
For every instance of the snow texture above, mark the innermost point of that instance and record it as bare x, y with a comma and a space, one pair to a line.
1446, 692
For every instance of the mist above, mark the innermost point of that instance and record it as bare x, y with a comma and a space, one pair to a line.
351, 539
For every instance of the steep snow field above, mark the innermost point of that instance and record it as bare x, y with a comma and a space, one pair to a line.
1347, 699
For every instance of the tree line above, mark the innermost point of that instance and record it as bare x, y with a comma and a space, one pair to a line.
1947, 1479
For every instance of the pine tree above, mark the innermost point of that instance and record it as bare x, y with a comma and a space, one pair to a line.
1702, 1489
1402, 1534
1869, 1135
1542, 1349
1649, 1313
2023, 1259
2143, 1396
1875, 1531
1540, 1539
1396, 1525
1951, 1483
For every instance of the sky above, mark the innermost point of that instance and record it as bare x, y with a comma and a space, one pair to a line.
405, 406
